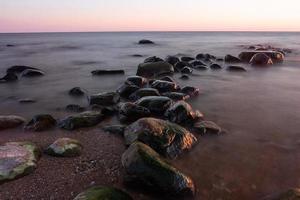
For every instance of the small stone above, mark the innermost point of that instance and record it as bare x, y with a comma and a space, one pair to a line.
115, 129
65, 147
215, 66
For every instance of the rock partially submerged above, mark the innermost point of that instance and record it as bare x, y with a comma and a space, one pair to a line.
103, 193
232, 59
17, 159
154, 69
9, 77
10, 121
172, 60
76, 91
126, 89
261, 59
41, 123
156, 104
215, 66
190, 90
32, 73
137, 80
176, 96
165, 86
165, 137
65, 147
130, 112
107, 72
207, 127
19, 69
144, 92
145, 41
144, 166
104, 99
276, 57
234, 68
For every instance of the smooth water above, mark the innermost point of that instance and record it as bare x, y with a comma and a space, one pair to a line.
259, 109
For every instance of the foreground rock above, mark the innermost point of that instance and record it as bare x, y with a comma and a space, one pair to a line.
291, 194
274, 55
85, 119
41, 123
130, 112
207, 128
261, 59
144, 166
146, 42
107, 72
154, 69
103, 193
156, 104
165, 137
105, 99
65, 147
144, 92
10, 121
17, 159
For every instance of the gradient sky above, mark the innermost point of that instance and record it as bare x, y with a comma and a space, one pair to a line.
149, 15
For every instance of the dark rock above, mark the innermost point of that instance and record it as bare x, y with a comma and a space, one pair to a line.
103, 193
176, 96
32, 73
19, 69
191, 91
105, 99
200, 67
164, 86
76, 91
220, 59
200, 56
137, 80
172, 60
9, 77
144, 92
180, 65
137, 55
157, 105
186, 59
207, 127
65, 147
215, 66
10, 121
153, 59
146, 42
27, 101
126, 89
10, 45
231, 59
155, 69
261, 59
233, 68
41, 123
105, 110
184, 77
291, 194
197, 63
168, 78
130, 112
115, 129
167, 138
74, 108
275, 56
186, 70
107, 72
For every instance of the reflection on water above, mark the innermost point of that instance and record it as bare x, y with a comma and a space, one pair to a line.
260, 109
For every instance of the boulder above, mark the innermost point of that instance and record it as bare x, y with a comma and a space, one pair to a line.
76, 91
191, 91
231, 59
176, 96
290, 194
154, 69
167, 138
274, 55
19, 69
107, 72
32, 73
126, 89
164, 86
137, 80
215, 66
261, 59
9, 77
156, 104
10, 121
130, 112
74, 108
152, 59
144, 92
172, 60
103, 193
207, 127
85, 119
144, 41
186, 59
17, 159
105, 99
65, 147
234, 68
115, 129
145, 167
186, 70
41, 123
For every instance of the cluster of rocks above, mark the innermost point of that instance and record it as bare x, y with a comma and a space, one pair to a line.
13, 73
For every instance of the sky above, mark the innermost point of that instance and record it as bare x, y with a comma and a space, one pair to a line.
149, 15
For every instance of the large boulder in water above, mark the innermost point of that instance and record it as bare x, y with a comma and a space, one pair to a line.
165, 86
130, 112
104, 99
144, 92
165, 137
17, 159
85, 119
103, 193
41, 123
274, 55
154, 69
261, 59
156, 104
145, 167
65, 147
10, 121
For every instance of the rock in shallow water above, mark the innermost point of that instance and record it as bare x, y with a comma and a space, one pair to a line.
137, 80
126, 89
232, 59
41, 123
65, 147
145, 167
76, 91
19, 69
17, 159
104, 99
107, 72
32, 73
274, 55
10, 121
234, 68
144, 92
207, 127
165, 86
9, 77
144, 41
261, 59
154, 69
103, 193
176, 96
165, 137
156, 104
190, 90
130, 112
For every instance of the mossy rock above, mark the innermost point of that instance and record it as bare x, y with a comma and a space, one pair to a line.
103, 193
145, 166
65, 147
17, 159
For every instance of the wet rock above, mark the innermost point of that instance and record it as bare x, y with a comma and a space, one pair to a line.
9, 77
207, 127
186, 70
144, 92
168, 78
19, 69
180, 65
234, 68
146, 42
197, 63
261, 59
105, 110
152, 59
275, 56
215, 66
155, 69
105, 99
115, 129
10, 45
41, 123
220, 59
157, 105
137, 80
291, 194
164, 86
176, 96
231, 59
17, 159
130, 112
182, 113
32, 73
145, 167
10, 121
172, 60
191, 91
167, 138
137, 55
200, 56
65, 147
76, 91
27, 101
74, 108
107, 72
82, 120
186, 59
200, 67
184, 77
103, 193
126, 89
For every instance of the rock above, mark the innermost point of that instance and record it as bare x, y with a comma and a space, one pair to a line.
115, 129
233, 68
103, 193
191, 91
220, 59
130, 112
65, 147
126, 89
146, 42
182, 113
157, 105
184, 77
231, 59
186, 70
41, 123
137, 80
85, 119
107, 72
9, 77
105, 99
74, 108
260, 59
144, 92
215, 66
76, 91
172, 60
105, 110
291, 194
152, 59
164, 86
27, 101
144, 166
32, 73
167, 138
176, 96
200, 56
10, 45
10, 121
137, 55
155, 69
186, 59
200, 67
19, 69
207, 127
167, 78
180, 65
274, 55
17, 159
197, 63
